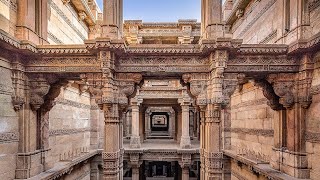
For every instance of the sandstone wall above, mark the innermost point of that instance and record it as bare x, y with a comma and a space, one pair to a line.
64, 25
313, 125
263, 22
251, 123
9, 129
70, 125
8, 16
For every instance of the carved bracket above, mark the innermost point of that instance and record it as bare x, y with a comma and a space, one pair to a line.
185, 161
268, 92
39, 87
284, 87
197, 86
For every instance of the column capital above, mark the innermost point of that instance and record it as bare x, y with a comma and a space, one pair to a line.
135, 101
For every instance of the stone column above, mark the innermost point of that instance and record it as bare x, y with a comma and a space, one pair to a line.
32, 21
212, 151
111, 154
147, 123
94, 169
112, 18
135, 165
211, 19
185, 137
185, 165
135, 137
202, 140
185, 173
135, 173
294, 97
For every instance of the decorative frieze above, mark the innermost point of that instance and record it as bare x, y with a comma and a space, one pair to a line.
74, 153
258, 132
269, 37
72, 103
312, 137
4, 89
8, 137
62, 132
256, 102
54, 38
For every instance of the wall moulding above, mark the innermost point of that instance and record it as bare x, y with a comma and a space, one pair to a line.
312, 137
8, 137
258, 132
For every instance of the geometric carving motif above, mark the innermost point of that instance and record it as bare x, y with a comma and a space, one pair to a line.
9, 137
59, 132
258, 132
110, 156
312, 137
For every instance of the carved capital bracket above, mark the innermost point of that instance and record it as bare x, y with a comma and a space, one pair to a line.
127, 86
185, 161
268, 92
44, 89
284, 87
197, 86
230, 84
39, 87
135, 161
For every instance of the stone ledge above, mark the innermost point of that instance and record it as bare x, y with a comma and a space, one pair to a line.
62, 168
262, 169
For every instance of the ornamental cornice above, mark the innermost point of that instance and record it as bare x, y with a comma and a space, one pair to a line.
270, 49
63, 49
4, 36
117, 45
305, 45
163, 49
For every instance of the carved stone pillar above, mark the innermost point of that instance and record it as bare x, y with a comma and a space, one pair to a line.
211, 19
32, 21
112, 18
111, 154
94, 169
135, 137
185, 137
135, 165
293, 96
185, 165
